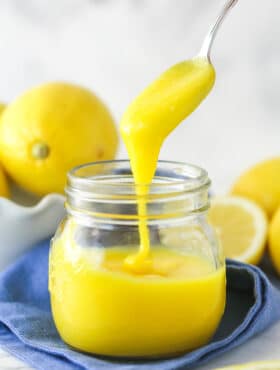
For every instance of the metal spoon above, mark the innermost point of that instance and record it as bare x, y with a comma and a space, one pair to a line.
205, 50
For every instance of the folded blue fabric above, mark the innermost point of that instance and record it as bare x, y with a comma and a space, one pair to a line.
27, 329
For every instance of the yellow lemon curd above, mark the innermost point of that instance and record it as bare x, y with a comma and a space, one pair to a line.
147, 122
100, 307
141, 301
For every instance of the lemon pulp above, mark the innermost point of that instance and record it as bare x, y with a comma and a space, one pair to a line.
274, 240
241, 225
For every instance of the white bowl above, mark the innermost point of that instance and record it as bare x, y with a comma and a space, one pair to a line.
25, 220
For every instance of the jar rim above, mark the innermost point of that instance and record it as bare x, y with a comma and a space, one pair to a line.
115, 177
106, 191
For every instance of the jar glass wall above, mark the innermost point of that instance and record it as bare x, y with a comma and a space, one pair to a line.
100, 307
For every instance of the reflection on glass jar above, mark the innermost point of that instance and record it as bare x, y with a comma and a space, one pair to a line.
98, 305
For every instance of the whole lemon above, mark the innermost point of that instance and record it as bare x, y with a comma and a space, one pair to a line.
2, 108
50, 129
261, 183
4, 189
274, 240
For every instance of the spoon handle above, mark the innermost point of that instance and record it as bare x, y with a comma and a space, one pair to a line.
205, 50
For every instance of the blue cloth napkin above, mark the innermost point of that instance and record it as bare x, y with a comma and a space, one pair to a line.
27, 329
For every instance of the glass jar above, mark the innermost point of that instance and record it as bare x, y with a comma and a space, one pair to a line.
98, 306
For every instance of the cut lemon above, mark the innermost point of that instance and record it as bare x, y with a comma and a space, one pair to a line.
274, 240
241, 226
262, 365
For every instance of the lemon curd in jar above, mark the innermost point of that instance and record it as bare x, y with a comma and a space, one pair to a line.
101, 306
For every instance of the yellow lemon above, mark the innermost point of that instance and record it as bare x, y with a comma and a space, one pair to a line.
241, 226
261, 183
50, 129
274, 240
4, 189
261, 365
2, 107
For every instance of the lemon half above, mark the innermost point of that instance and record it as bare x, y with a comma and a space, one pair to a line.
274, 240
241, 226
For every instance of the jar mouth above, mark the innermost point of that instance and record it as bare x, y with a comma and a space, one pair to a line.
115, 178
106, 191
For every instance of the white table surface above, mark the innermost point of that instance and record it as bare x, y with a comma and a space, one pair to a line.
8, 362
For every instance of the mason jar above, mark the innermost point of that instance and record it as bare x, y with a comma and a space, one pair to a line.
103, 308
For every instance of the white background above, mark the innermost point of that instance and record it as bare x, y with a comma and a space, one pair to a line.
117, 47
